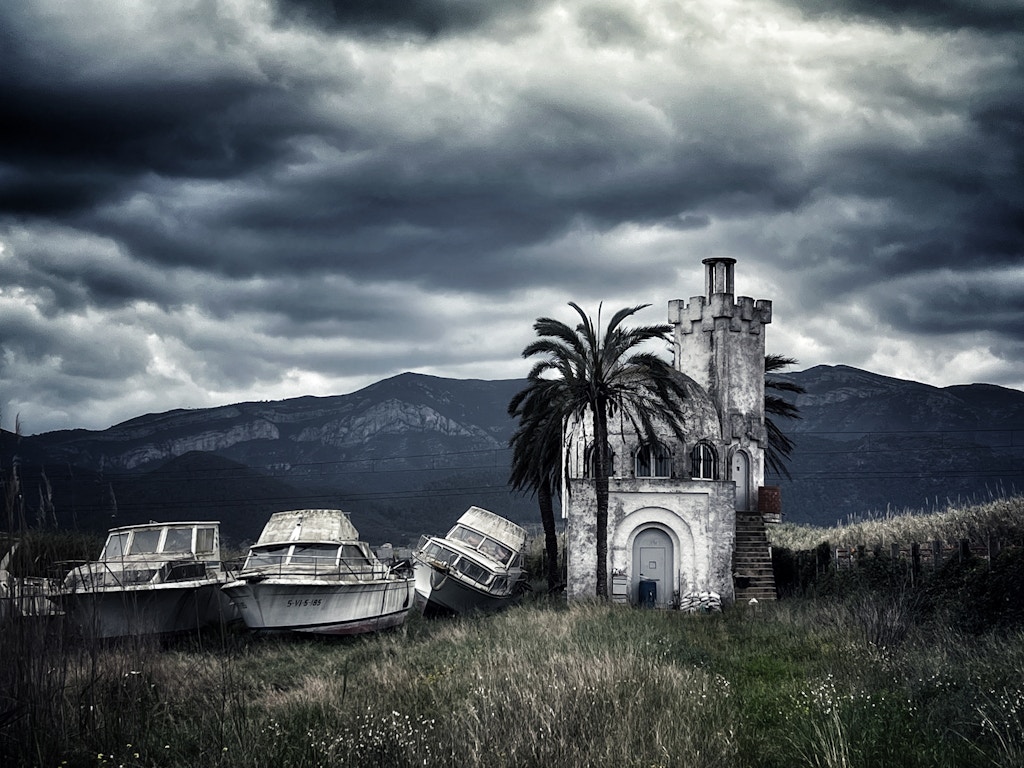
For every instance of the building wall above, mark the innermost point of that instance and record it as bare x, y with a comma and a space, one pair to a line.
698, 516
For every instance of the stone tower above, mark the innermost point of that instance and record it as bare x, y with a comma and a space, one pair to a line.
719, 343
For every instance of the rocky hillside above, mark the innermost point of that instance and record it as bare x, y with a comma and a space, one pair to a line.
408, 454
868, 443
405, 456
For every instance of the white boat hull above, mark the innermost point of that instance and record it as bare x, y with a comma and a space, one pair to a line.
322, 607
439, 589
144, 610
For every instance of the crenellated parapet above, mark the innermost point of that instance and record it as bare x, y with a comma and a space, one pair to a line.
701, 314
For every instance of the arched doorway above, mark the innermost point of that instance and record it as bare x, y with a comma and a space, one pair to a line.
653, 559
741, 476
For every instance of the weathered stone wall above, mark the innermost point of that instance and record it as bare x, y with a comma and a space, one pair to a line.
698, 516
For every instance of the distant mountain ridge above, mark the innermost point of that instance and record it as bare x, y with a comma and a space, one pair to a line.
408, 454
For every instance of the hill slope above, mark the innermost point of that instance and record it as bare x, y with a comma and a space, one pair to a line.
407, 455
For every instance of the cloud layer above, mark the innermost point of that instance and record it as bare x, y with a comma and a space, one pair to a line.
207, 201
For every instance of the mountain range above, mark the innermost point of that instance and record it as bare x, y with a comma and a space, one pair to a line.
406, 455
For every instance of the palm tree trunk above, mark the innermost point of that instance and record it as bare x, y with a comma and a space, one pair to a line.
601, 490
547, 516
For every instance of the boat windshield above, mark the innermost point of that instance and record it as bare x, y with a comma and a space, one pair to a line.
115, 546
353, 556
266, 557
496, 550
144, 542
467, 536
178, 540
490, 547
322, 556
439, 554
473, 571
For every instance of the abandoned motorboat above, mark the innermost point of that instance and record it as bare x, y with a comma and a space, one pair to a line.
477, 566
308, 572
157, 578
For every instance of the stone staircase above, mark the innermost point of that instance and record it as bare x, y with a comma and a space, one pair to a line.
752, 561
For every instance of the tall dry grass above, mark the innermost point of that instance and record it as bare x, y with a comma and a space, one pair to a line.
861, 679
1001, 519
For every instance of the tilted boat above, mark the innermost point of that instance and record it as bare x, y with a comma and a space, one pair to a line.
477, 566
308, 572
157, 578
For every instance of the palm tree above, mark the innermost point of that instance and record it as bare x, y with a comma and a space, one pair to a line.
536, 456
587, 376
780, 447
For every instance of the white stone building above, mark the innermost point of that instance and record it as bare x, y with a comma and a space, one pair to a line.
673, 507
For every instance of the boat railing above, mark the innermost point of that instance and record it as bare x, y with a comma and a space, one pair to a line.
98, 574
25, 595
315, 567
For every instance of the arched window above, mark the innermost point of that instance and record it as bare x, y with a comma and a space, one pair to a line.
704, 462
588, 461
653, 460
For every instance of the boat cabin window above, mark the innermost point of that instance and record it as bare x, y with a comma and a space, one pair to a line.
137, 575
267, 557
478, 541
206, 539
178, 540
184, 571
320, 555
439, 554
467, 535
493, 549
115, 546
353, 556
473, 571
144, 542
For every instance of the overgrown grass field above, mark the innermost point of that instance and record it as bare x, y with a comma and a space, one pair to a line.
856, 672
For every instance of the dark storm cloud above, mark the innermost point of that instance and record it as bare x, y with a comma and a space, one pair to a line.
425, 17
218, 201
70, 274
555, 167
72, 149
994, 15
71, 139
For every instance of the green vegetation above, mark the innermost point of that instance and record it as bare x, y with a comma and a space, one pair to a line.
859, 670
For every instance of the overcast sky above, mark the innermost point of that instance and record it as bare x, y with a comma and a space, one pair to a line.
210, 201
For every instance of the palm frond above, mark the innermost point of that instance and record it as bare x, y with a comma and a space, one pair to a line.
779, 447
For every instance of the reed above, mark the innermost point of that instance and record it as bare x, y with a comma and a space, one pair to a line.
1001, 519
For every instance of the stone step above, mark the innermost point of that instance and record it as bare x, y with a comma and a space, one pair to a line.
752, 564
